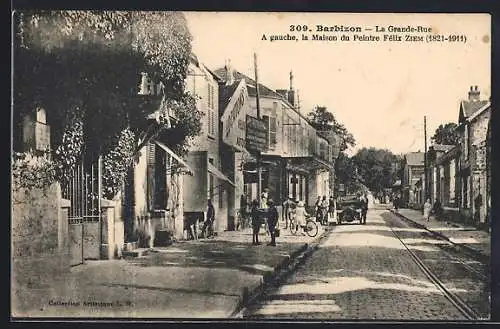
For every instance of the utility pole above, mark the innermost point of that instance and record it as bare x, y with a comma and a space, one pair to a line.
259, 171
426, 185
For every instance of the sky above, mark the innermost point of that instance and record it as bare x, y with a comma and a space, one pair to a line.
380, 91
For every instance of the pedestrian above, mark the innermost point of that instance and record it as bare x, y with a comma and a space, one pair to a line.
287, 211
263, 197
243, 212
427, 210
208, 225
272, 221
324, 210
364, 207
438, 209
317, 208
331, 206
300, 216
395, 202
256, 222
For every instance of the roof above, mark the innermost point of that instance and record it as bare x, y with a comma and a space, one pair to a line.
415, 158
264, 91
226, 92
442, 147
468, 108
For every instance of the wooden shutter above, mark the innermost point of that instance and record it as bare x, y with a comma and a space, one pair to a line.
151, 159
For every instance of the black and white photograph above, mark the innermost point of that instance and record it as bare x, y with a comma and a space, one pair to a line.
251, 166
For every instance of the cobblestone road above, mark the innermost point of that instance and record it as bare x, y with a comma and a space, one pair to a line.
360, 272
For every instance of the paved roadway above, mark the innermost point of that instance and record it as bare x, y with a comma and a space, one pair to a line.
365, 272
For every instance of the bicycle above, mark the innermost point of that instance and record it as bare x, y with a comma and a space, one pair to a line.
310, 228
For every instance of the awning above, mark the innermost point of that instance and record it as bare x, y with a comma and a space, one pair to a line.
175, 156
213, 170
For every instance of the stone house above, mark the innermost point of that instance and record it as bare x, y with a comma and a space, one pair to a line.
473, 122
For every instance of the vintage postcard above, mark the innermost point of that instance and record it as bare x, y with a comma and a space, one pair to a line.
252, 166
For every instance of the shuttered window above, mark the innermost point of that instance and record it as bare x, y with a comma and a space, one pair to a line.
157, 191
151, 160
211, 117
272, 130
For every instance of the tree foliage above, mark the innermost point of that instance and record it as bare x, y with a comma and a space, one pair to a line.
323, 120
376, 167
446, 134
346, 173
84, 67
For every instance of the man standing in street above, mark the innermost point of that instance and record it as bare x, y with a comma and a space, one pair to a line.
209, 222
287, 211
364, 207
256, 222
272, 221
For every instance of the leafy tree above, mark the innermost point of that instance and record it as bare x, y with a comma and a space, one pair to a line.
346, 173
84, 68
446, 134
324, 120
376, 168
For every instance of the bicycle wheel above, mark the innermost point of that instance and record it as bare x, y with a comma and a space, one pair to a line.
311, 228
293, 227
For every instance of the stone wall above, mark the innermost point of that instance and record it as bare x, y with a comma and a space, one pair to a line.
40, 252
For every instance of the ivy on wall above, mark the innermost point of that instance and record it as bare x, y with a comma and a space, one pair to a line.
84, 68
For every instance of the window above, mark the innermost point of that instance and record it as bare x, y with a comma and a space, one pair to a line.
272, 129
466, 141
211, 117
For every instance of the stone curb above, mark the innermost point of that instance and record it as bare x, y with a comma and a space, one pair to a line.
485, 258
286, 266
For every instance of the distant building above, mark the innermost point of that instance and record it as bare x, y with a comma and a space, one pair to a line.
413, 164
437, 171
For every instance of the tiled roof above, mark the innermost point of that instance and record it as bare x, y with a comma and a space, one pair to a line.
415, 158
468, 108
226, 92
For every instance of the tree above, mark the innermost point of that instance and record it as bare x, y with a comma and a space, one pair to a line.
446, 134
375, 166
323, 120
84, 68
346, 173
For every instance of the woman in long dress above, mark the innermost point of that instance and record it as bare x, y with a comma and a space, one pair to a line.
427, 209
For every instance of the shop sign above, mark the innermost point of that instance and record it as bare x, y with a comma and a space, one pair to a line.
256, 134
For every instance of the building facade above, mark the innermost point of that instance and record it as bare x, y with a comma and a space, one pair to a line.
473, 122
207, 182
298, 161
412, 183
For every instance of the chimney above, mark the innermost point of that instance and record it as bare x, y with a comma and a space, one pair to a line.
474, 94
291, 92
229, 73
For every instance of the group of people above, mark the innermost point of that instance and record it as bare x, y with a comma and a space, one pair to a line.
323, 208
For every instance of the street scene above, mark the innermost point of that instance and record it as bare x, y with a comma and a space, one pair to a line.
251, 166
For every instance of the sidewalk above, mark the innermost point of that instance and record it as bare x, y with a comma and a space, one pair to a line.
467, 236
208, 278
